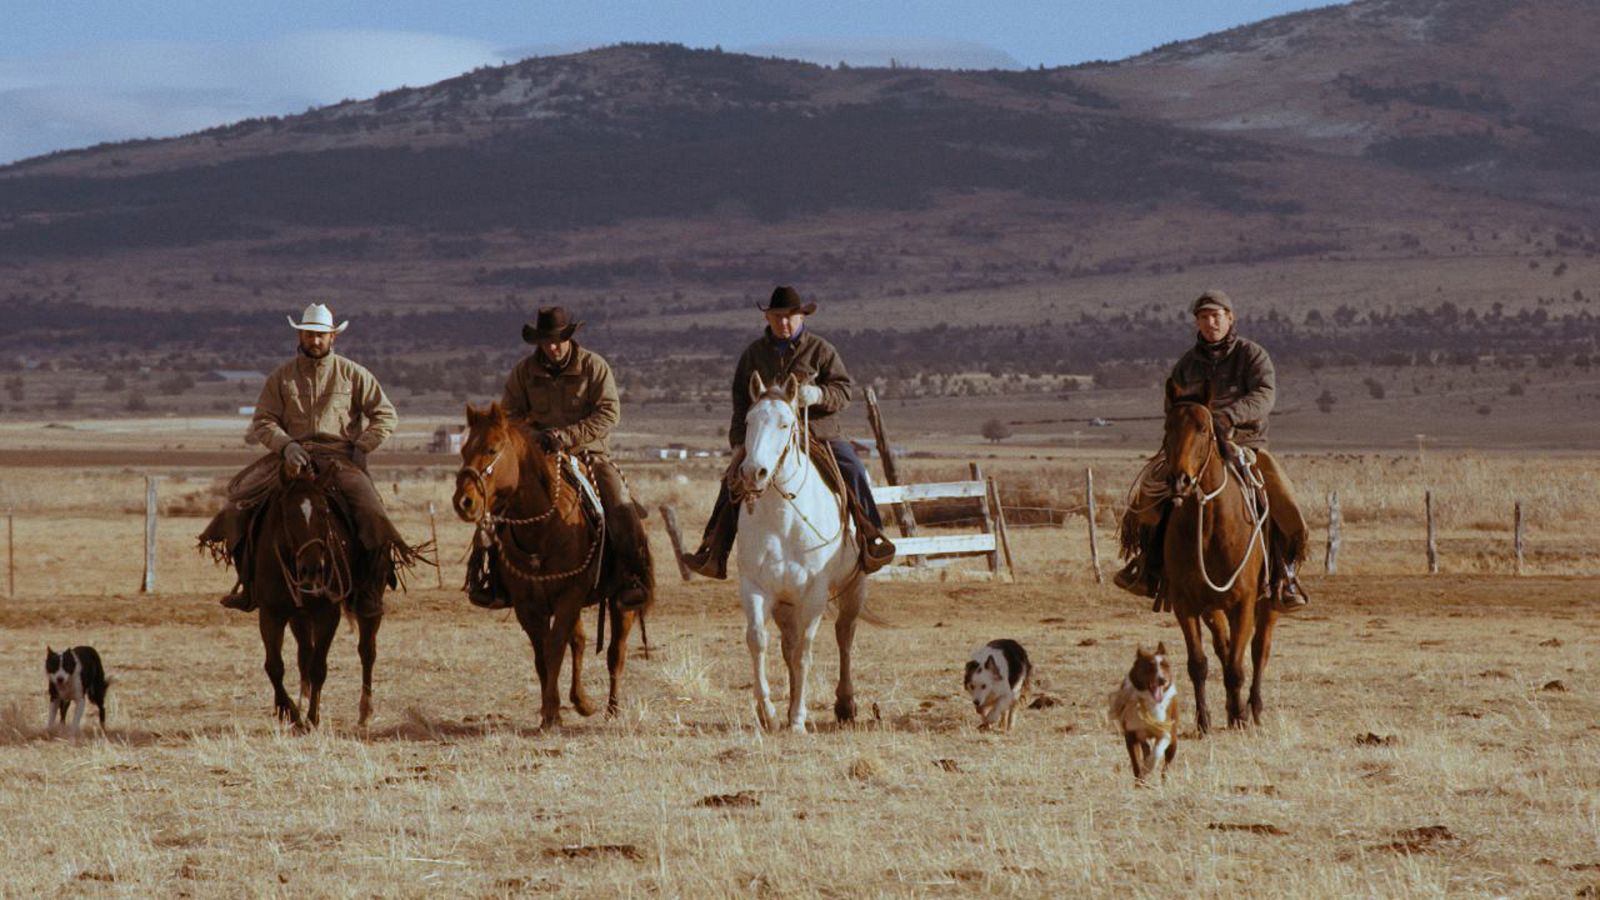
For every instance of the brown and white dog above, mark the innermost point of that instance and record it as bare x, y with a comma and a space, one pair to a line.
1145, 710
997, 678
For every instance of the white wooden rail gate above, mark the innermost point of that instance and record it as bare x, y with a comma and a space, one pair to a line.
937, 550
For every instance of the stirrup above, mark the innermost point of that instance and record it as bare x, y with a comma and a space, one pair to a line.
488, 599
239, 600
632, 598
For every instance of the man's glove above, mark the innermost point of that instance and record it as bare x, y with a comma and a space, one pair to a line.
810, 395
359, 457
296, 455
550, 440
1222, 424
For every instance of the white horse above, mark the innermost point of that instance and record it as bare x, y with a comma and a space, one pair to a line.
797, 551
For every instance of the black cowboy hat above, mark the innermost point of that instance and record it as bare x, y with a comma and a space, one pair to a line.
787, 299
552, 324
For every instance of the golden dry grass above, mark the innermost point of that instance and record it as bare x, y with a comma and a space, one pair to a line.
1487, 787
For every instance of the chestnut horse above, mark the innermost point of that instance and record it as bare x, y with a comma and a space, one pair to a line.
302, 578
549, 557
1215, 552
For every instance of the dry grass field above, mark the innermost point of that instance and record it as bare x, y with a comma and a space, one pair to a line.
1424, 735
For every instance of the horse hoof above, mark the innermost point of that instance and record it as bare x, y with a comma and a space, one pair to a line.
765, 713
845, 710
584, 706
797, 727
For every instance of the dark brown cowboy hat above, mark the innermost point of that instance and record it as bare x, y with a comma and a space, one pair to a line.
1212, 299
786, 299
552, 324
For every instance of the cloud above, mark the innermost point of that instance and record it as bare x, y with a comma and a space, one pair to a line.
922, 52
121, 91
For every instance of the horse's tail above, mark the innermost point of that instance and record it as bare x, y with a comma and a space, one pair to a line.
865, 613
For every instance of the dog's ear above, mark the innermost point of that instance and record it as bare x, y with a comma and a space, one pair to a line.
989, 664
1161, 648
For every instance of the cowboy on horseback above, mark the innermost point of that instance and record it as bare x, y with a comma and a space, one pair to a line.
789, 348
569, 396
319, 409
1243, 387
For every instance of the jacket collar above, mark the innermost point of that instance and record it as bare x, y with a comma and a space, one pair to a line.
1218, 351
307, 365
785, 346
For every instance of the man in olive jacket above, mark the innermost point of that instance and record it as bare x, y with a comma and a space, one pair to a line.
1243, 389
319, 408
789, 348
569, 396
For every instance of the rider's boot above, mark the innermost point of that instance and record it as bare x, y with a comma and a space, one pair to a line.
1142, 575
482, 587
711, 560
628, 541
1287, 594
877, 550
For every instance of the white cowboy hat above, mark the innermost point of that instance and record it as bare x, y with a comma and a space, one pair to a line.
317, 318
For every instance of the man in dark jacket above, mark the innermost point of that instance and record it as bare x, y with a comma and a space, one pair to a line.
1243, 388
569, 396
789, 348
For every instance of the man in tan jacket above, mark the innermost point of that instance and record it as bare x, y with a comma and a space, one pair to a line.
318, 407
569, 396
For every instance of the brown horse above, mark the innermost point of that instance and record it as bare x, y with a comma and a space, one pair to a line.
303, 562
1215, 553
550, 558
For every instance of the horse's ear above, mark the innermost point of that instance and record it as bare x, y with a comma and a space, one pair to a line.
791, 388
758, 388
1174, 391
495, 413
474, 415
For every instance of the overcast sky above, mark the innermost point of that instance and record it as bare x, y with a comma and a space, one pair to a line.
79, 72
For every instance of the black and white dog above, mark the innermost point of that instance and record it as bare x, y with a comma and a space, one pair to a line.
75, 676
997, 678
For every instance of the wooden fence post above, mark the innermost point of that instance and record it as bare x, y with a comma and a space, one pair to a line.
670, 517
988, 523
1094, 545
1000, 528
1331, 558
1516, 538
11, 555
1433, 543
433, 527
891, 469
148, 585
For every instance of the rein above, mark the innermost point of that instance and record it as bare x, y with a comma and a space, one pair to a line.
490, 526
333, 579
1257, 516
799, 430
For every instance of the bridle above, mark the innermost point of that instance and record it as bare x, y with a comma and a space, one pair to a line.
332, 579
1203, 497
798, 428
493, 530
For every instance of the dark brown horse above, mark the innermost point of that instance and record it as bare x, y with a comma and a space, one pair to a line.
1215, 553
303, 565
549, 555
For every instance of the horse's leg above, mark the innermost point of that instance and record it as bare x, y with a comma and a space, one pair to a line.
580, 699
755, 638
798, 638
367, 648
844, 631
1241, 628
1260, 651
272, 640
617, 656
324, 624
536, 625
1194, 643
304, 648
555, 648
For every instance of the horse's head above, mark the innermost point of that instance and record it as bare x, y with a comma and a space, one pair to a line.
770, 429
313, 548
1190, 442
491, 461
